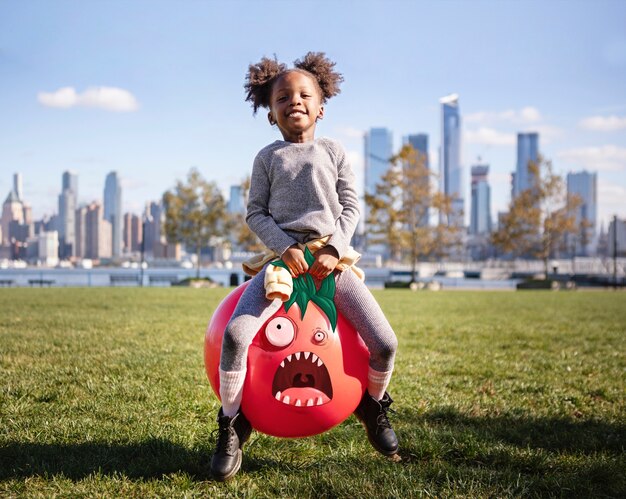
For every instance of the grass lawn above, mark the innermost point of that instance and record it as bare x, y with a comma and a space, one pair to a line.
497, 394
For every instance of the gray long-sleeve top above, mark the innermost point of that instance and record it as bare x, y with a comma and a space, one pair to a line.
300, 192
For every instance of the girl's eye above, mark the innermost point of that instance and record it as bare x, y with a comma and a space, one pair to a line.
280, 331
319, 336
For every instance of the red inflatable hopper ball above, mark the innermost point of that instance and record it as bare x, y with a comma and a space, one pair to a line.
303, 376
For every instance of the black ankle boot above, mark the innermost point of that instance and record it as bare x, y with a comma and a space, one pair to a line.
373, 415
233, 433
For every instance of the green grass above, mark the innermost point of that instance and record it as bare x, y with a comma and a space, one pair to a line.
499, 394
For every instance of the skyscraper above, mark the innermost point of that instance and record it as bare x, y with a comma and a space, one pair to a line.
132, 233
584, 184
378, 149
68, 200
113, 211
235, 201
98, 233
419, 142
527, 151
70, 181
450, 170
17, 186
480, 219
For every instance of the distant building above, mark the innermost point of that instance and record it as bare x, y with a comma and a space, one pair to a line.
450, 170
133, 233
480, 219
236, 201
113, 211
419, 142
377, 151
80, 231
616, 240
67, 224
527, 151
18, 186
584, 185
16, 218
48, 248
98, 237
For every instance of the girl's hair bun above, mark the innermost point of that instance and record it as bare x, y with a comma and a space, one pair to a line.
323, 69
259, 81
261, 77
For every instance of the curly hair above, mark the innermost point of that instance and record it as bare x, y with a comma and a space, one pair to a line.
262, 76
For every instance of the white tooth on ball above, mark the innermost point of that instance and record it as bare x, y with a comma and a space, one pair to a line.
282, 364
306, 355
289, 358
309, 402
298, 403
319, 401
319, 363
297, 355
286, 400
313, 358
278, 396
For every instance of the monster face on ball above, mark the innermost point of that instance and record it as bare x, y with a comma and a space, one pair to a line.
307, 366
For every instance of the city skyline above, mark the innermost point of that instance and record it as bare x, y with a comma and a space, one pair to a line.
90, 88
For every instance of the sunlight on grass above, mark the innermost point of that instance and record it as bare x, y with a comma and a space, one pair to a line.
497, 394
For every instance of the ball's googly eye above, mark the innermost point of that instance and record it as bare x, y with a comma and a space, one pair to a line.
280, 331
319, 336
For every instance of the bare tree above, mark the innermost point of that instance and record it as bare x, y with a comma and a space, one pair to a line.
539, 217
195, 213
400, 209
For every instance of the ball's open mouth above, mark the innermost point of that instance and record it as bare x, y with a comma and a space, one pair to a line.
302, 380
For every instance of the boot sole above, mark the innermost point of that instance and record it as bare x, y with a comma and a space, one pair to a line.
233, 472
387, 453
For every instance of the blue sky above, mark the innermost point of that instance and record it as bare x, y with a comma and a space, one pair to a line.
151, 89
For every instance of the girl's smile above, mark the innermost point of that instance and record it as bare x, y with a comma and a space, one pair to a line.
296, 106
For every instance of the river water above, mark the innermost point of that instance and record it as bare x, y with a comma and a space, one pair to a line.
63, 277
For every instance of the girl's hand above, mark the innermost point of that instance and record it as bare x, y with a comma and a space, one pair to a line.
294, 259
326, 260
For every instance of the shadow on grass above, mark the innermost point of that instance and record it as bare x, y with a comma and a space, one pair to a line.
547, 455
146, 460
550, 434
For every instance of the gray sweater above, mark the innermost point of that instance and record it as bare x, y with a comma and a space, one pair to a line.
300, 192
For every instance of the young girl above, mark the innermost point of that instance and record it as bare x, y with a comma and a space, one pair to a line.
302, 189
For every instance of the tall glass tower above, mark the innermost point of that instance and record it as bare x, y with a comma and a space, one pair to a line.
113, 211
378, 149
450, 171
419, 142
584, 184
527, 151
480, 220
68, 202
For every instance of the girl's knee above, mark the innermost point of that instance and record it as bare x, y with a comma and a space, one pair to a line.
235, 337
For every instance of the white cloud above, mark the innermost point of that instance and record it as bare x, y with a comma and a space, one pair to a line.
107, 98
610, 201
489, 136
525, 115
603, 123
602, 158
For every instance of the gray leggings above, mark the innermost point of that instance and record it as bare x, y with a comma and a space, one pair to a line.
352, 299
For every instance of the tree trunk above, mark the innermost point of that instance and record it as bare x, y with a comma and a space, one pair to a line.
198, 261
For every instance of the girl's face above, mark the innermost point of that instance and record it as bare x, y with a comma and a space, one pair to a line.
295, 106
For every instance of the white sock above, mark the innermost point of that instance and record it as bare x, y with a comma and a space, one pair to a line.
377, 383
231, 391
